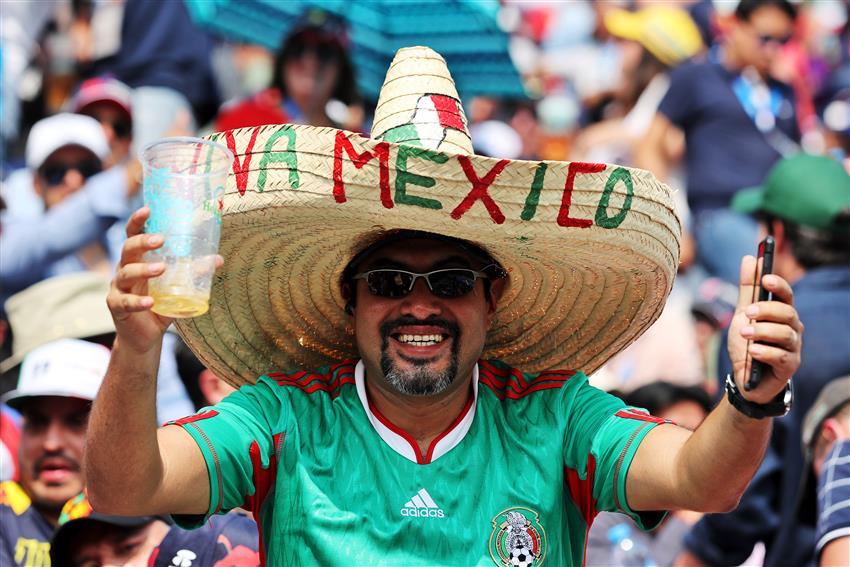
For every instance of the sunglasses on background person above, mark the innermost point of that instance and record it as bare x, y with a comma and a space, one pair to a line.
448, 283
765, 39
122, 128
54, 174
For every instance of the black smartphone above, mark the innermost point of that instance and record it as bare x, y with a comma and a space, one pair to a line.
764, 266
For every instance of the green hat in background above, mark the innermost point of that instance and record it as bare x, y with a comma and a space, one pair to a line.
804, 189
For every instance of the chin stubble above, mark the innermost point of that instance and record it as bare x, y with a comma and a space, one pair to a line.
420, 380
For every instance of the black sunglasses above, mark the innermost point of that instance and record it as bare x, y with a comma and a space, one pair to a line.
765, 39
122, 128
55, 174
447, 283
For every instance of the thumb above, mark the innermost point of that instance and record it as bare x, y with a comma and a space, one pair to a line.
747, 278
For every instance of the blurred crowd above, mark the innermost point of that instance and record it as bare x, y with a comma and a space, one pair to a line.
743, 108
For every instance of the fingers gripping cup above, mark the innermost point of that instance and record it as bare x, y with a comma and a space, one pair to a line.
183, 187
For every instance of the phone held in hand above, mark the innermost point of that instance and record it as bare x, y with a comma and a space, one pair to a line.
764, 266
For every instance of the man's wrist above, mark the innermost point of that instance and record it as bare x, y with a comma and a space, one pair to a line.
777, 407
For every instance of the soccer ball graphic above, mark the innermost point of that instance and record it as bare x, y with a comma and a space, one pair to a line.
521, 557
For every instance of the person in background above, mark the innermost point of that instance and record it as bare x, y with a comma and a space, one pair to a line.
684, 406
72, 307
825, 489
69, 207
737, 122
57, 383
110, 102
805, 204
88, 538
311, 69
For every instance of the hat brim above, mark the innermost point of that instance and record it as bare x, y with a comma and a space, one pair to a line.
67, 533
591, 256
748, 201
16, 399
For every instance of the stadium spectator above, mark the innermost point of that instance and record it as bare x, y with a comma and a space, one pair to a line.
737, 122
57, 383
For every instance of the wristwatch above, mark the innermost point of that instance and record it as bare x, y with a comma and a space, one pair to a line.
777, 407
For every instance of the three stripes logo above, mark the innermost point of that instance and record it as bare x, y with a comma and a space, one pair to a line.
422, 506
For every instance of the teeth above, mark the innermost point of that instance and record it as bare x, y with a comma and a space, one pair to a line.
420, 340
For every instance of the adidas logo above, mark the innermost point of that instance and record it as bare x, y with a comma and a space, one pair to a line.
422, 506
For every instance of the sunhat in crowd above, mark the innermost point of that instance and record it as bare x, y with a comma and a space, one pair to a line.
64, 129
591, 249
70, 306
669, 33
69, 368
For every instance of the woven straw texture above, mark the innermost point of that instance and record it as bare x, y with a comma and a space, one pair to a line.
591, 249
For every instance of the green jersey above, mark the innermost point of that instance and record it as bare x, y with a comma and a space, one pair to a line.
515, 481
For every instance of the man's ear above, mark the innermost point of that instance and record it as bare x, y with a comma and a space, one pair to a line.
497, 289
777, 228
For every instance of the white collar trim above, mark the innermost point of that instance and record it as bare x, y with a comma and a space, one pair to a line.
404, 446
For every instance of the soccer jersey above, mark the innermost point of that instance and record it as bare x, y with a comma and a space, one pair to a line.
24, 533
515, 480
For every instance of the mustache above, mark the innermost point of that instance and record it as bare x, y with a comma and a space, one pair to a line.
67, 461
387, 328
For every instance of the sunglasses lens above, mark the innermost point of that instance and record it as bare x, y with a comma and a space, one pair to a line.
122, 129
452, 283
88, 168
389, 283
54, 174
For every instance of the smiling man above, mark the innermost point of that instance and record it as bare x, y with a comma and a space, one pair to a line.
443, 416
57, 383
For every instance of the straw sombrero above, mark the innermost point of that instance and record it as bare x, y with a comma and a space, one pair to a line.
591, 249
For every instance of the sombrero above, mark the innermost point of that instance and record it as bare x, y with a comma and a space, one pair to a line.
591, 249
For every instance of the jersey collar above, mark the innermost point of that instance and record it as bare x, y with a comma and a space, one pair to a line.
402, 442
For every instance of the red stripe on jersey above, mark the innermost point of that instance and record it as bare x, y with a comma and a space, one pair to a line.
501, 392
581, 491
640, 416
510, 383
451, 426
448, 112
333, 388
264, 479
193, 418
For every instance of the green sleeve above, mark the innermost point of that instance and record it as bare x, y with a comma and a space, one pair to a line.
601, 439
233, 436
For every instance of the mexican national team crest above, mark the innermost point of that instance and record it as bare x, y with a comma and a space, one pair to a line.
518, 539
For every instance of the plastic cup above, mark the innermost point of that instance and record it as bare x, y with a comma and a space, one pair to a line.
184, 186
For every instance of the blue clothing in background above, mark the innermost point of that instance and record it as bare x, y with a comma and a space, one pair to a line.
162, 47
768, 509
725, 150
834, 496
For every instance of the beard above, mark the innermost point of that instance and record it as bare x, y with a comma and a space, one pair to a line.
421, 380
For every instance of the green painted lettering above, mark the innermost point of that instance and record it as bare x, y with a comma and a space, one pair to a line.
288, 157
403, 177
533, 198
602, 218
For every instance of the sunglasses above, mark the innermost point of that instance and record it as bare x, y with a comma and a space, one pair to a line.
448, 283
766, 39
55, 174
121, 128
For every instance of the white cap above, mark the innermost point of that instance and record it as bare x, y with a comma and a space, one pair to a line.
69, 368
65, 129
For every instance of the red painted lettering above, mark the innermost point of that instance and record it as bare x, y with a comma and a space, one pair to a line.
575, 167
241, 169
479, 190
382, 150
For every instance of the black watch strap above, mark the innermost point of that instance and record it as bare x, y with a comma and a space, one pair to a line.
777, 407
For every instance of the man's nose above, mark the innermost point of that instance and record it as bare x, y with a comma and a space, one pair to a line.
54, 436
420, 302
73, 179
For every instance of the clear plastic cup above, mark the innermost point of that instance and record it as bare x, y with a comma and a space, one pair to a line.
184, 182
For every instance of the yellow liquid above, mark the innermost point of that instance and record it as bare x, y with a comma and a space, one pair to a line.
179, 305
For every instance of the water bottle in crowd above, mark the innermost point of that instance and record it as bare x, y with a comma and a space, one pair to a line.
626, 550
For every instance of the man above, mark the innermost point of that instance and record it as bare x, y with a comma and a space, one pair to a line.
58, 225
826, 444
423, 452
737, 121
91, 539
57, 383
805, 203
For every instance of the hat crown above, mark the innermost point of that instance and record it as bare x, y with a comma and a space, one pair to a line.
419, 104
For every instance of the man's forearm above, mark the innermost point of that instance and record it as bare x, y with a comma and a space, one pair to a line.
718, 461
123, 463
